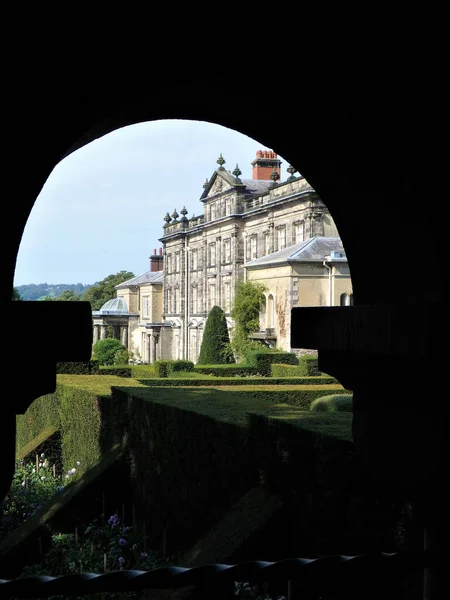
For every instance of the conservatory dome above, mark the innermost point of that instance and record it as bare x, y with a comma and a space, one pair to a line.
116, 306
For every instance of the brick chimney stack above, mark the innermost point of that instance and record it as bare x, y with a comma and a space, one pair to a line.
156, 261
264, 164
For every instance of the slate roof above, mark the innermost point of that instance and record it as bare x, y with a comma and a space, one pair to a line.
313, 250
148, 277
257, 186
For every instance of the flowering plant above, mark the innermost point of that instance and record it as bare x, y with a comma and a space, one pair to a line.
33, 484
101, 548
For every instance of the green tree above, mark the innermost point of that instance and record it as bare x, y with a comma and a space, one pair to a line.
66, 296
215, 349
105, 350
16, 294
105, 290
248, 302
69, 295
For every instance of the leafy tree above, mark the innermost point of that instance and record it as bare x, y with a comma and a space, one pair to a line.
215, 349
16, 294
105, 290
67, 295
105, 350
248, 301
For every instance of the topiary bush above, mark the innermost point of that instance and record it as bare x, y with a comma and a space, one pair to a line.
215, 349
262, 361
177, 366
333, 403
161, 368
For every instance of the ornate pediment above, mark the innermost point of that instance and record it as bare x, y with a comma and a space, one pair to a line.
220, 181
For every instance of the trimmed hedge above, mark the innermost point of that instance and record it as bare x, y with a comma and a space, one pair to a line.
77, 410
119, 371
42, 415
164, 368
190, 466
175, 366
161, 368
330, 505
302, 398
309, 365
293, 395
262, 361
234, 381
90, 367
188, 469
227, 370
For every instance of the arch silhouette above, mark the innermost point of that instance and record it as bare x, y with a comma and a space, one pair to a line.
368, 151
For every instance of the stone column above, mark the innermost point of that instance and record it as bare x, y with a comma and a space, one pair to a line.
116, 332
147, 348
96, 333
218, 268
153, 340
124, 336
102, 332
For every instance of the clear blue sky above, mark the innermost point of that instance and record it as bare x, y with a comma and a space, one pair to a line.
101, 210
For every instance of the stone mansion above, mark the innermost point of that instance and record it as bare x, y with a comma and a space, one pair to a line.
263, 230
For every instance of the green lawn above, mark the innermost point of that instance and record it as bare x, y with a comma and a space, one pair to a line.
223, 404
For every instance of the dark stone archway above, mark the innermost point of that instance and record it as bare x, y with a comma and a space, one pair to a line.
370, 152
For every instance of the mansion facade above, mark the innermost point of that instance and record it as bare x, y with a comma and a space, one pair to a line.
277, 233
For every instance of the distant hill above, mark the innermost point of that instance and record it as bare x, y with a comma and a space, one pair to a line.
35, 291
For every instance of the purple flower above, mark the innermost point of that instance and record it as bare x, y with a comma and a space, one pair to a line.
144, 554
113, 519
121, 560
126, 529
122, 542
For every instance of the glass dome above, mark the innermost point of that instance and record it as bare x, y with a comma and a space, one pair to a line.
116, 306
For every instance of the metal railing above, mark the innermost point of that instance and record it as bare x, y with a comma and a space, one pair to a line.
304, 571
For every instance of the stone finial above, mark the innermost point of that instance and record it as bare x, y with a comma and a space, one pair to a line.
183, 211
175, 215
237, 171
291, 170
274, 176
221, 161
167, 219
205, 185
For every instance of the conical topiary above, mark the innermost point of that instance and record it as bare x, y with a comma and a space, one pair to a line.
215, 349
